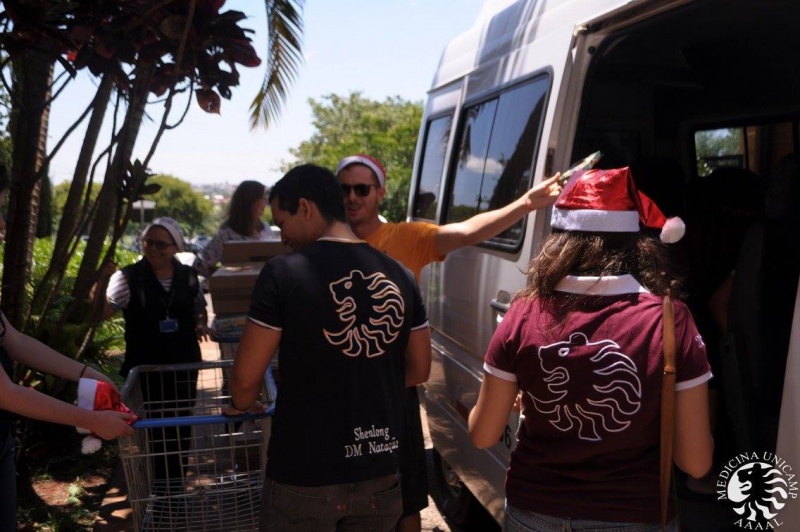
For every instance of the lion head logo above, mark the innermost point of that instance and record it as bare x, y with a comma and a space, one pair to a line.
758, 491
615, 394
371, 309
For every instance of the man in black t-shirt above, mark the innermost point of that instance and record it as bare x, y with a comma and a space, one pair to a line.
353, 333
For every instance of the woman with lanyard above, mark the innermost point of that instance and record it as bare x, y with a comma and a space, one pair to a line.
165, 317
18, 400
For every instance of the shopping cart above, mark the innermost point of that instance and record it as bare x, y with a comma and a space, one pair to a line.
227, 331
188, 466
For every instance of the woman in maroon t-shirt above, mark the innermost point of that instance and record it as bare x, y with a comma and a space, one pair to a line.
581, 345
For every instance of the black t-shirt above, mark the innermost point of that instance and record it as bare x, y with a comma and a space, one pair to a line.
345, 311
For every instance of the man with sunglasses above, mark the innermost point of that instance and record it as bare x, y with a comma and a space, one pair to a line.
416, 244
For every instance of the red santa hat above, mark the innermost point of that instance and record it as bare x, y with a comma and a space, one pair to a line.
370, 162
608, 201
97, 395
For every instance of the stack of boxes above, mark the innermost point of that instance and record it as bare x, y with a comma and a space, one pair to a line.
231, 287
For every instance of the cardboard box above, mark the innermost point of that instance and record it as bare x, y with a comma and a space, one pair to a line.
236, 252
231, 287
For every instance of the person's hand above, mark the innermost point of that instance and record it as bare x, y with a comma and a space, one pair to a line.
108, 269
110, 424
544, 194
255, 408
517, 404
204, 334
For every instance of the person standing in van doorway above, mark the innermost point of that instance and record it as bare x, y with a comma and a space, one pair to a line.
353, 333
583, 343
416, 244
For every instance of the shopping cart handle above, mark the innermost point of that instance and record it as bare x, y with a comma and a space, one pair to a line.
184, 421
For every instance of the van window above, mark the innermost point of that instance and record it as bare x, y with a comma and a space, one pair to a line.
718, 148
437, 137
496, 148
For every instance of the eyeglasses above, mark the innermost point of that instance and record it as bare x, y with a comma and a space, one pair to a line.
158, 244
361, 189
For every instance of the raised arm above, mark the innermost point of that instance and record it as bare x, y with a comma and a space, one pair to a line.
488, 224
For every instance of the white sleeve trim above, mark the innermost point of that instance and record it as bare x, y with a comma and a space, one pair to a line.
697, 381
419, 327
267, 325
499, 373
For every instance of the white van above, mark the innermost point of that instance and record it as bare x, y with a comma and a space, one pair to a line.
700, 97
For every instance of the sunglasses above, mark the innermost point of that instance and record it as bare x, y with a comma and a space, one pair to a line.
360, 189
158, 244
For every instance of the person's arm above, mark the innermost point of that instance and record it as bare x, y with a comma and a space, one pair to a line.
98, 292
257, 347
36, 355
418, 357
693, 445
488, 224
489, 417
206, 261
107, 424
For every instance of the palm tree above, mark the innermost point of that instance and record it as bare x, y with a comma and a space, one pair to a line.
284, 36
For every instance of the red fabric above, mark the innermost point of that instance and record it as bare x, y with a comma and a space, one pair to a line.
107, 398
610, 190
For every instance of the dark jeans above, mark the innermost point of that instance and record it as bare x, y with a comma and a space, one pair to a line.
169, 394
523, 521
8, 480
370, 506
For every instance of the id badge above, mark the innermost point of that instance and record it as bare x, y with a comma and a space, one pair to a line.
168, 325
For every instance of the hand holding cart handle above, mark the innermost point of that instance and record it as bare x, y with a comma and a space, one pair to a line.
184, 421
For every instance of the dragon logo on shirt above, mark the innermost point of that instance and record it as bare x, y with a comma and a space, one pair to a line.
371, 308
614, 396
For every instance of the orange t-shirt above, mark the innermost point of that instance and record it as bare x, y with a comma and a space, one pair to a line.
411, 243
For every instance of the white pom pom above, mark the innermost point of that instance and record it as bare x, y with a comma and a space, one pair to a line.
91, 445
673, 230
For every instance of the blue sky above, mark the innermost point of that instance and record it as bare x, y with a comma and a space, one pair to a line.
382, 48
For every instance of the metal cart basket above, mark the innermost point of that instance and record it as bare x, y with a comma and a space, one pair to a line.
188, 466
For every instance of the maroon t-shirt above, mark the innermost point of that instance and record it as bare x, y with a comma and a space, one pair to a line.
591, 397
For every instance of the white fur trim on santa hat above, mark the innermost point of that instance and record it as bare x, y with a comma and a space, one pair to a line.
87, 389
592, 220
366, 161
673, 230
90, 445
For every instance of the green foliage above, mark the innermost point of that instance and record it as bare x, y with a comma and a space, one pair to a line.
714, 143
353, 124
65, 338
178, 200
60, 192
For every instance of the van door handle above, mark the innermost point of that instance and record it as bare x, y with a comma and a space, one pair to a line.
499, 306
